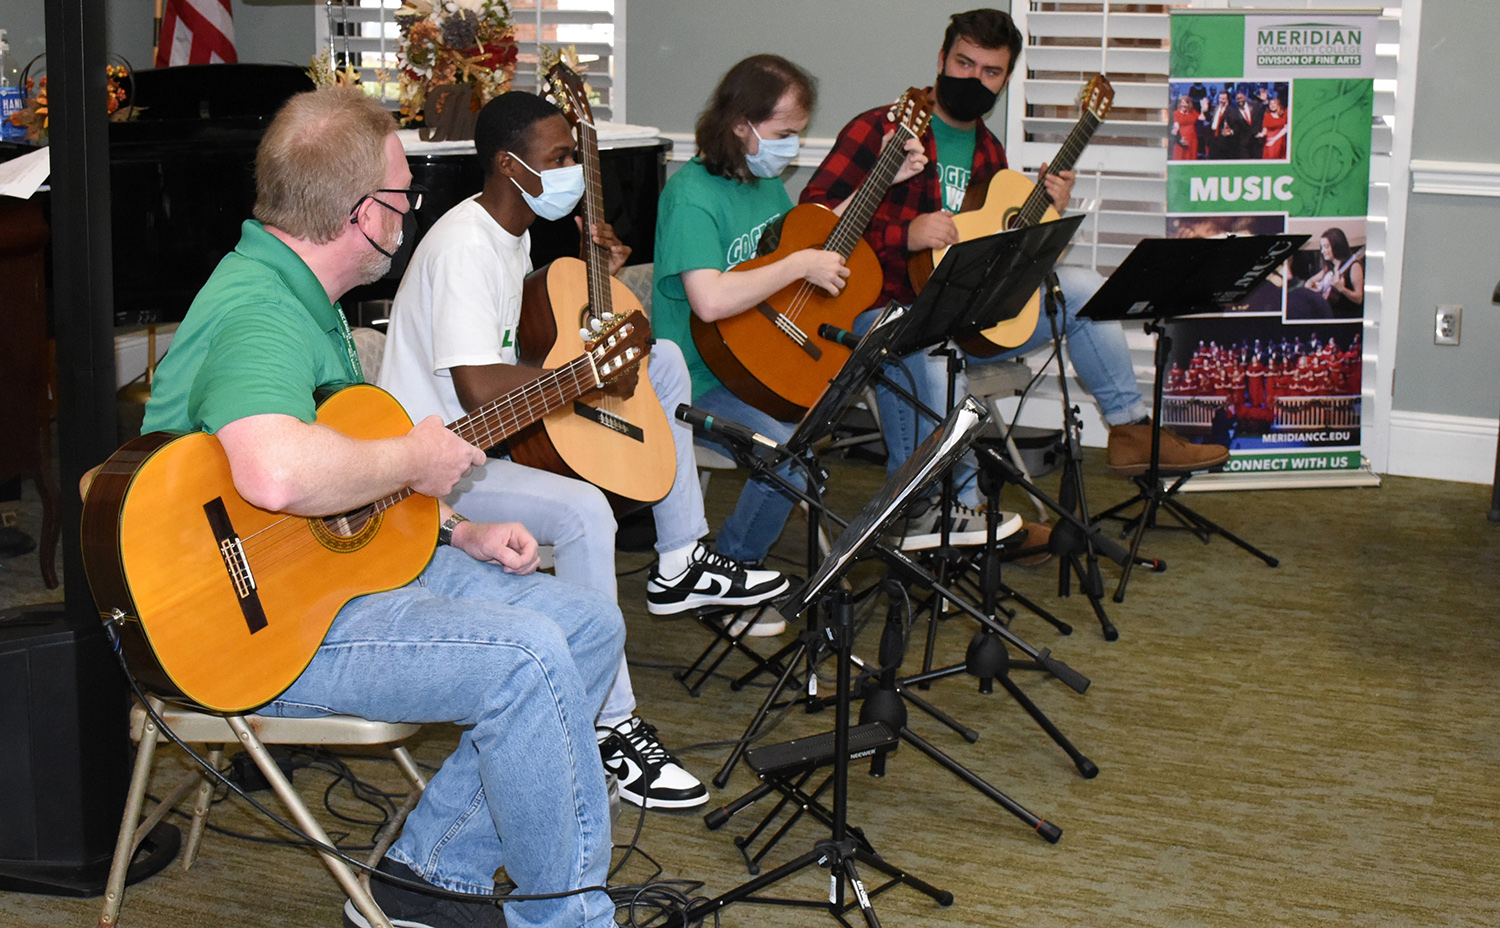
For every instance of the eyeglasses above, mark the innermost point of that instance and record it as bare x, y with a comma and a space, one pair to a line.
413, 196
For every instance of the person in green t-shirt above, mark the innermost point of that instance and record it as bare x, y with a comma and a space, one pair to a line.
712, 214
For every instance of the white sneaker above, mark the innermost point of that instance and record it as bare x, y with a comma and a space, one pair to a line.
711, 579
966, 528
753, 624
648, 773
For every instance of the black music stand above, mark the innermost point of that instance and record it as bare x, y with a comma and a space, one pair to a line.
872, 350
1161, 279
978, 284
847, 846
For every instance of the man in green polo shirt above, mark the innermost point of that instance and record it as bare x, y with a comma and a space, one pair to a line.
521, 660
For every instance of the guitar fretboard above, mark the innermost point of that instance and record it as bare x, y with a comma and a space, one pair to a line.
495, 421
866, 199
593, 214
1037, 202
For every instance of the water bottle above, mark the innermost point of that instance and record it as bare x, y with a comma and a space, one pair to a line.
11, 96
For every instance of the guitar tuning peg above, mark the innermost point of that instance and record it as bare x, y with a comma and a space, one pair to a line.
585, 334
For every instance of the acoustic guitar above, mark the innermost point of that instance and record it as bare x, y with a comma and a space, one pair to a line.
622, 445
1012, 201
224, 603
770, 356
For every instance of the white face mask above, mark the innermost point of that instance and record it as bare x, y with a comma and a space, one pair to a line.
773, 155
562, 188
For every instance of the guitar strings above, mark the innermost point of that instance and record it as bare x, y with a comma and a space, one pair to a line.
1037, 201
601, 296
850, 227
274, 545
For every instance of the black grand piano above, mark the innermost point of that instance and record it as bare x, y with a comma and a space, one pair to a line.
182, 180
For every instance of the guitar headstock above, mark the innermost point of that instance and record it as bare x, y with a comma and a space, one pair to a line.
566, 91
912, 112
1097, 96
621, 345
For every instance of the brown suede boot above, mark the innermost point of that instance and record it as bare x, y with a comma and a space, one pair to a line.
1037, 534
1130, 452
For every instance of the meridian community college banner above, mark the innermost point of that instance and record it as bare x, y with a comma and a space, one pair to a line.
195, 32
1270, 132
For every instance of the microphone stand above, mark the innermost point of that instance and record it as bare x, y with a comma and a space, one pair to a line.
1071, 494
809, 643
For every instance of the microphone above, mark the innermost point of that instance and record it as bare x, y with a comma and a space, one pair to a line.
839, 336
1054, 286
728, 428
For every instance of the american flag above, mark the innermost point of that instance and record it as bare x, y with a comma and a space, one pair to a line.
195, 32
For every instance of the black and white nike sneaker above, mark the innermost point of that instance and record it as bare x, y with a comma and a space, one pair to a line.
711, 579
648, 773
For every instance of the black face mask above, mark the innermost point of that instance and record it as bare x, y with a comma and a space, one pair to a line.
402, 257
965, 98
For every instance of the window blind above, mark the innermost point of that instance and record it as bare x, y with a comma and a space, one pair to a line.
364, 33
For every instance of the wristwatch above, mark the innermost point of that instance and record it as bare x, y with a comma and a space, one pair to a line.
445, 531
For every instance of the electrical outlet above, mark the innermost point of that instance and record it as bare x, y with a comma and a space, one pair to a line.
1446, 327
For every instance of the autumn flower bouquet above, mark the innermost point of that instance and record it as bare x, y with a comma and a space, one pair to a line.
35, 116
468, 43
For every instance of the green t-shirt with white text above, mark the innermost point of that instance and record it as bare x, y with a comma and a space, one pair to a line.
955, 161
705, 221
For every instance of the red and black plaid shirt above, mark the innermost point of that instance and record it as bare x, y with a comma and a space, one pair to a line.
853, 156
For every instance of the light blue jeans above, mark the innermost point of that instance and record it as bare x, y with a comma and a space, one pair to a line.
574, 517
760, 513
523, 664
1100, 356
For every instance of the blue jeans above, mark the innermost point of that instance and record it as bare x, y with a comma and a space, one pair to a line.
523, 664
574, 517
760, 513
1100, 355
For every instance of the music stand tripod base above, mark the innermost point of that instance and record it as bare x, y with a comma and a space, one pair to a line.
1159, 280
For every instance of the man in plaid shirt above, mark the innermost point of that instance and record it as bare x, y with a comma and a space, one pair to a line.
974, 65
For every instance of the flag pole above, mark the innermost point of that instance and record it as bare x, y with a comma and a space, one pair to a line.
156, 33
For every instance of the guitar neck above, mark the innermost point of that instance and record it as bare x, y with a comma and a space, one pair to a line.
867, 198
501, 418
597, 256
1036, 204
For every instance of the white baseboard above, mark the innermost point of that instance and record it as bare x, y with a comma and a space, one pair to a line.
131, 353
1432, 445
1425, 444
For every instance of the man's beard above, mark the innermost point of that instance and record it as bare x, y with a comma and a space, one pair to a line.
372, 266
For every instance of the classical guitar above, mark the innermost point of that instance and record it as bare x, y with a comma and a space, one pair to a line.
1012, 201
622, 445
771, 356
224, 603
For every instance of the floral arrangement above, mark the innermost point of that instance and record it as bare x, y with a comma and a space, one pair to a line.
35, 116
468, 42
322, 73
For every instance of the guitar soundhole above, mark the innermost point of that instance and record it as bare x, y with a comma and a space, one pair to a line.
347, 532
1012, 218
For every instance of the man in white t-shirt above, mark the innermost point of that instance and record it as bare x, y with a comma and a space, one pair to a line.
451, 347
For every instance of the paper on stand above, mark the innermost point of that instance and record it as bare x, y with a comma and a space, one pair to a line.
20, 177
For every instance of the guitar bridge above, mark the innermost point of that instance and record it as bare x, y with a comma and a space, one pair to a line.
610, 421
790, 330
236, 564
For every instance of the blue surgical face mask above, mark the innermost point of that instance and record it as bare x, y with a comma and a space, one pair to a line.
562, 188
773, 155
